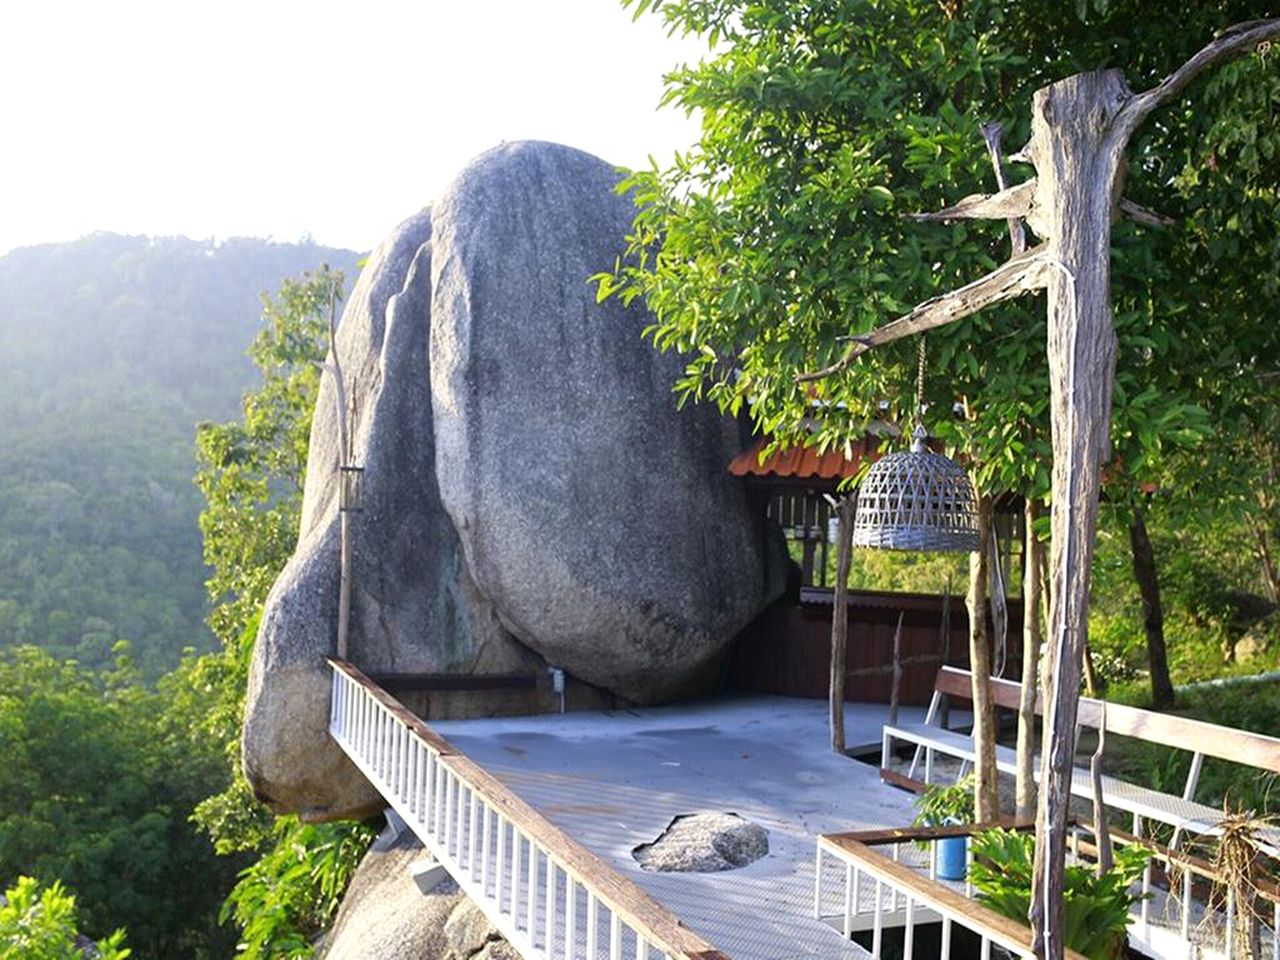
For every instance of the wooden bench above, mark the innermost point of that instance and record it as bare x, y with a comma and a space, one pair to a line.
1196, 737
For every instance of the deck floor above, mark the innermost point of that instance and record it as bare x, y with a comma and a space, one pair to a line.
616, 779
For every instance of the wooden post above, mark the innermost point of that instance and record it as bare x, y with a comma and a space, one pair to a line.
895, 690
1078, 164
1144, 572
1025, 791
840, 620
985, 794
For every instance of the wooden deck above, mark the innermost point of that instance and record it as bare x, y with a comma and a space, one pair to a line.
615, 780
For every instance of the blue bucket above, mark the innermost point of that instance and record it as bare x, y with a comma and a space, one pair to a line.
952, 856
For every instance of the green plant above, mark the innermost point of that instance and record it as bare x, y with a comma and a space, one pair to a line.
1096, 908
40, 924
290, 896
940, 804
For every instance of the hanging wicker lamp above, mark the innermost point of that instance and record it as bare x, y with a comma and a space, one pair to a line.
917, 500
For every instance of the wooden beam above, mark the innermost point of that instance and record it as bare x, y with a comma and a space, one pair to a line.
1196, 736
397, 682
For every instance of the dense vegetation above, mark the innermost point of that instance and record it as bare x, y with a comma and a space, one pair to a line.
824, 122
112, 349
785, 231
125, 790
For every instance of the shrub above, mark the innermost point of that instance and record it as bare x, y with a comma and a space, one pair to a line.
1095, 908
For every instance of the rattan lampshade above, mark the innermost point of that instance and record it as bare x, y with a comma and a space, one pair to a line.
917, 500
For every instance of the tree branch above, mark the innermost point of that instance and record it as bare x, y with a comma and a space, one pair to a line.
993, 133
1140, 214
1232, 42
1013, 202
1018, 276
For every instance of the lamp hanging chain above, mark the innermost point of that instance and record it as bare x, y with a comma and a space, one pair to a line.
920, 384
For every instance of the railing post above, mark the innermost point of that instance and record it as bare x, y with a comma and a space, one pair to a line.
877, 923
593, 921
515, 874
850, 895
817, 883
531, 891
570, 917
549, 916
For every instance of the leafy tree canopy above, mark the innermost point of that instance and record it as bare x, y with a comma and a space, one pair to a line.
824, 122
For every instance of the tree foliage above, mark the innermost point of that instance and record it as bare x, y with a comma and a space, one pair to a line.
41, 924
99, 779
252, 472
823, 123
111, 349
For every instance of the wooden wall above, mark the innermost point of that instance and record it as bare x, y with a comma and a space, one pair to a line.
787, 650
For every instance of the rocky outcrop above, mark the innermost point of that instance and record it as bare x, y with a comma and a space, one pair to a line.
704, 843
532, 496
598, 519
385, 915
414, 608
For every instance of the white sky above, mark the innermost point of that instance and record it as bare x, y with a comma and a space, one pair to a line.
281, 117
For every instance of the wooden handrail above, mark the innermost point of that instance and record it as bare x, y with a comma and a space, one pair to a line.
621, 895
1195, 736
970, 913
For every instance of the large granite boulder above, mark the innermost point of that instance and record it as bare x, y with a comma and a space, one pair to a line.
598, 519
385, 915
532, 497
414, 608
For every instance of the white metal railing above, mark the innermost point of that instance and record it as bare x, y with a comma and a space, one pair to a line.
545, 893
877, 892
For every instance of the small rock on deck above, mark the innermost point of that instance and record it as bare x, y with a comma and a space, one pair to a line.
616, 779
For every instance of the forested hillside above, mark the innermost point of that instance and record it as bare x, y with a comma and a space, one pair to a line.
112, 348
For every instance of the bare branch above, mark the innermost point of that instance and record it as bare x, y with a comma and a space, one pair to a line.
993, 133
1232, 42
1140, 214
1016, 277
1014, 202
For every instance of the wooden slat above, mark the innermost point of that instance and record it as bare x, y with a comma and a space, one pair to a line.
878, 838
1226, 743
931, 893
896, 779
637, 908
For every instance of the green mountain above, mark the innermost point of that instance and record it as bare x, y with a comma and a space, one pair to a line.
112, 348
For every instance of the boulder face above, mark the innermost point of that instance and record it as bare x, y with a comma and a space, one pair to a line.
531, 495
598, 519
414, 608
385, 915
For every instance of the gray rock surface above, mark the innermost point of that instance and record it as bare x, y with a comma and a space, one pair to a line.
414, 608
704, 843
385, 916
599, 521
531, 494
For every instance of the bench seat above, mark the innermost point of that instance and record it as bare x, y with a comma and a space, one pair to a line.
1142, 802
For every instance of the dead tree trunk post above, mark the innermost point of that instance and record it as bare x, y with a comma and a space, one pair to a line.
986, 796
840, 620
1025, 790
1144, 572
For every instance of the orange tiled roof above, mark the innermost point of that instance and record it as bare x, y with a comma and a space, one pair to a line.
802, 463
